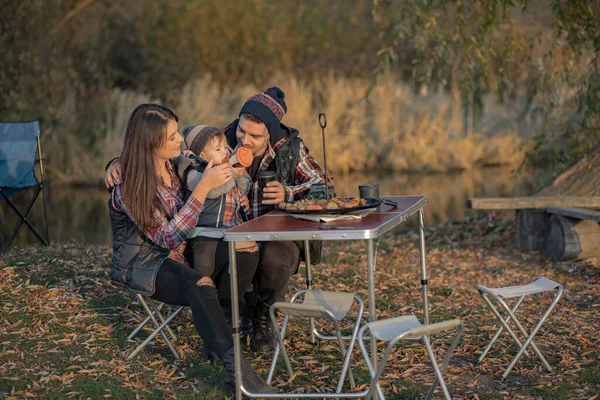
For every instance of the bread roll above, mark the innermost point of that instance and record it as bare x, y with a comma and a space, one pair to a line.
332, 205
350, 204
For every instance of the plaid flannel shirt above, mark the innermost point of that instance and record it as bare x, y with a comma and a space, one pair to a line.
177, 217
233, 212
307, 174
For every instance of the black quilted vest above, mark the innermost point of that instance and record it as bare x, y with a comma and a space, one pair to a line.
136, 259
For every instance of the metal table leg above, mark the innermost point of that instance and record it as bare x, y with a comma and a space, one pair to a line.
237, 350
371, 283
423, 267
309, 285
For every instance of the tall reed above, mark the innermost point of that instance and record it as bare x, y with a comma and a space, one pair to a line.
395, 129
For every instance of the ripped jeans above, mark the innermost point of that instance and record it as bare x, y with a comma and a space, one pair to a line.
210, 257
180, 285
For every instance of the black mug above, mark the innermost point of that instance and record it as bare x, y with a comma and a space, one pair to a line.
318, 191
265, 177
369, 191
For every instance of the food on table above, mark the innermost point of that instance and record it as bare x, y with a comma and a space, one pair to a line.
314, 207
351, 203
331, 204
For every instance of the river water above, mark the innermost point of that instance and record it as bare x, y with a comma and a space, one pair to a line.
81, 214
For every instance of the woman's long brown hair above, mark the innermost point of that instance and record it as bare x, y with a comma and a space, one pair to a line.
146, 132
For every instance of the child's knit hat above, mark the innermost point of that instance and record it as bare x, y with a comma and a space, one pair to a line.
196, 137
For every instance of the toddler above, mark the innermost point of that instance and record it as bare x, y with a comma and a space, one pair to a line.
224, 206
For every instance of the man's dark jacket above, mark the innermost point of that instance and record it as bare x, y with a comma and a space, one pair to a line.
284, 164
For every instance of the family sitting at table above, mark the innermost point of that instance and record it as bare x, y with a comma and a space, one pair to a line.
161, 197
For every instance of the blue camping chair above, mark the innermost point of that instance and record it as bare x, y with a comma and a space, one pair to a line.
19, 154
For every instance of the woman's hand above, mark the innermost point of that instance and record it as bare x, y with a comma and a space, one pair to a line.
112, 176
217, 175
213, 177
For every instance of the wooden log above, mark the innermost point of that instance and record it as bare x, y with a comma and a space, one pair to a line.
589, 239
577, 213
571, 239
519, 203
531, 229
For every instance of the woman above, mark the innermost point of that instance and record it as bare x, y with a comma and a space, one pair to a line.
150, 222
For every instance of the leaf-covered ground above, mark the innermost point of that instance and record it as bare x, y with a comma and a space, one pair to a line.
63, 328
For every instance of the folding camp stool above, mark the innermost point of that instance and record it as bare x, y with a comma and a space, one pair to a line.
407, 327
318, 304
155, 315
539, 285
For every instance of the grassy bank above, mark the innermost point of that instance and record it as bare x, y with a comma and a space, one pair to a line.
396, 130
63, 328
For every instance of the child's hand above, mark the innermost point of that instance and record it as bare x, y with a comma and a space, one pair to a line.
239, 170
245, 203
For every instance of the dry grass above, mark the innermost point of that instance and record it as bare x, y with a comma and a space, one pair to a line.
72, 154
396, 129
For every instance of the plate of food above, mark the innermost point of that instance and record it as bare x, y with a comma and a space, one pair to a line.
337, 205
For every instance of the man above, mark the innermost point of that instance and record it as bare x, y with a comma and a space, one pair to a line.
278, 148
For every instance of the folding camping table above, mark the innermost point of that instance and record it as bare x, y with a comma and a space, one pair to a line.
280, 226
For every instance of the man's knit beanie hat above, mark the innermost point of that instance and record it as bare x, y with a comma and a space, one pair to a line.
269, 107
196, 137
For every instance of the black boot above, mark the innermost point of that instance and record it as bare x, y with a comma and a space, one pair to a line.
209, 354
246, 321
250, 379
248, 311
263, 339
